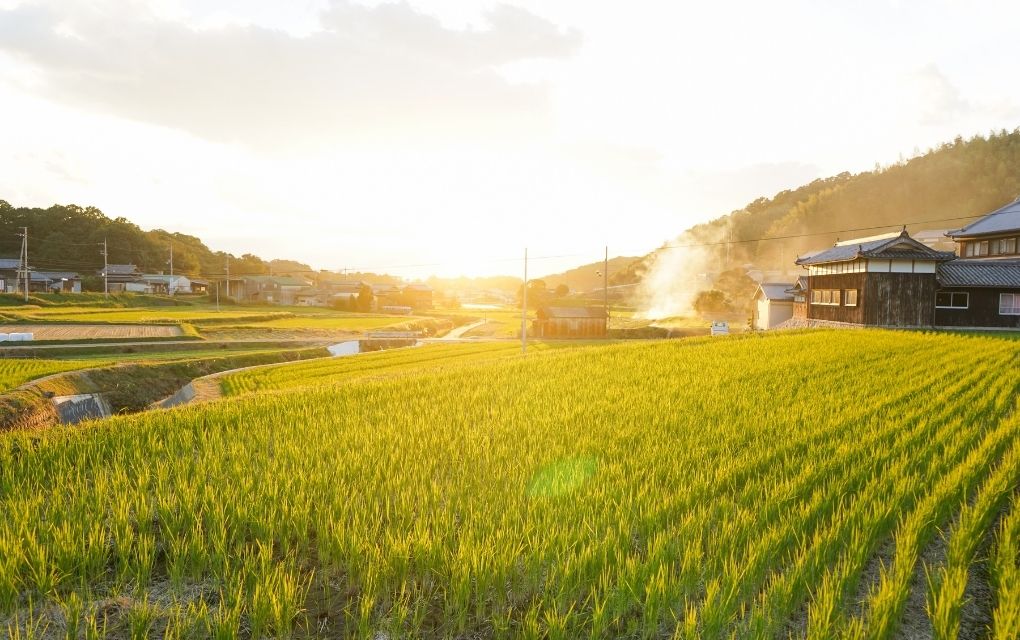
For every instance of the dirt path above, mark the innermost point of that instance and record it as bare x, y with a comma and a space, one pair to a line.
207, 388
458, 333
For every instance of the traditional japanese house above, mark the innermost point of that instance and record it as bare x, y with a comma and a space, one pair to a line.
982, 288
883, 281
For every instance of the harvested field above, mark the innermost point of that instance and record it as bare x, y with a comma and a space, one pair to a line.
93, 331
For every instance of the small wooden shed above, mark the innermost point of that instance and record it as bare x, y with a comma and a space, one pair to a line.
773, 304
570, 322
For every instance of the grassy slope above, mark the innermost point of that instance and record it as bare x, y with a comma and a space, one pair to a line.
705, 487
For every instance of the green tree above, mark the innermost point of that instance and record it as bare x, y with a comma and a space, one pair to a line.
538, 293
712, 302
365, 298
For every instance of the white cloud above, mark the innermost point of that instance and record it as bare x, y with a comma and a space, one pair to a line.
388, 72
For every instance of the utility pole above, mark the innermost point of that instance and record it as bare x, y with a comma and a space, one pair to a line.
24, 259
228, 276
171, 286
106, 270
524, 307
605, 289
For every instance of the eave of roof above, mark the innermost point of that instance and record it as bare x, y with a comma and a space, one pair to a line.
1004, 220
883, 248
573, 312
776, 291
980, 273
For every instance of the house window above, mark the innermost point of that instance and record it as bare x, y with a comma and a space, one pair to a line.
952, 300
969, 249
850, 297
1008, 245
825, 296
982, 248
1009, 304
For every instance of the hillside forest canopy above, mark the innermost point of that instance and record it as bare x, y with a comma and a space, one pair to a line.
943, 188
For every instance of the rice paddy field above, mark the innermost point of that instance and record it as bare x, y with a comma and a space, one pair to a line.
811, 485
15, 372
405, 361
103, 331
144, 314
347, 322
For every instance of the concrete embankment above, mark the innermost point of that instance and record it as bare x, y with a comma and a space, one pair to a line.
83, 406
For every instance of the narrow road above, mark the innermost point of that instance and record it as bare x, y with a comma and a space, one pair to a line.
458, 333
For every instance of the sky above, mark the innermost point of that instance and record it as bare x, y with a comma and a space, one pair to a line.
444, 136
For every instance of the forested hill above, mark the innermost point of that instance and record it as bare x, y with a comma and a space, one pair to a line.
70, 238
936, 190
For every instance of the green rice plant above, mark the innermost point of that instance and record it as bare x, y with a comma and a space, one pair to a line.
10, 575
141, 618
694, 489
948, 583
345, 369
72, 608
93, 629
886, 602
15, 372
1005, 574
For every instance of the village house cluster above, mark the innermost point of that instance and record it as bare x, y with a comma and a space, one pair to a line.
898, 281
322, 290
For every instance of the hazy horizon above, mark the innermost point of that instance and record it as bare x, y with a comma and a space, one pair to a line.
428, 137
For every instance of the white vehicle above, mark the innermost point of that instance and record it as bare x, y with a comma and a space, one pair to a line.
720, 329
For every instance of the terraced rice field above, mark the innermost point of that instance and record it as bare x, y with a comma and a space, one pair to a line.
829, 484
435, 357
345, 322
16, 372
145, 315
93, 331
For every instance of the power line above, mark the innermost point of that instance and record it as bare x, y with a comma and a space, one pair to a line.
810, 235
68, 264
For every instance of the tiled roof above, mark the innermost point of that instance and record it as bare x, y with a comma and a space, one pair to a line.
572, 312
280, 281
10, 263
901, 247
41, 276
980, 273
121, 269
1002, 220
776, 291
162, 277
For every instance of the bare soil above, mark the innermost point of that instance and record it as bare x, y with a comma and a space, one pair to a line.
92, 331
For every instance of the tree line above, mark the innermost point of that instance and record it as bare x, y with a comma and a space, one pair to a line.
70, 238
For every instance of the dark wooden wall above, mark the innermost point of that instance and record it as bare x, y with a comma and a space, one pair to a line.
983, 310
900, 299
841, 313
